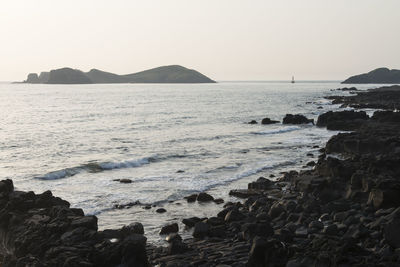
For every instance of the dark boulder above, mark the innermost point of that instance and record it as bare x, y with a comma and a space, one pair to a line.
204, 197
201, 230
267, 253
252, 122
190, 222
261, 184
170, 228
296, 119
234, 215
268, 121
346, 120
191, 198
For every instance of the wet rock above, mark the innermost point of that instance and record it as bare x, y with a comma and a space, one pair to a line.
177, 247
268, 121
161, 210
201, 230
384, 198
234, 215
204, 197
276, 210
252, 122
191, 198
190, 222
133, 228
125, 181
392, 233
331, 229
261, 184
296, 119
267, 253
342, 120
316, 225
244, 193
170, 228
218, 201
173, 237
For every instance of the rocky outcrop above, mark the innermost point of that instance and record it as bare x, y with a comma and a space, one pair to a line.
165, 74
42, 230
380, 98
381, 75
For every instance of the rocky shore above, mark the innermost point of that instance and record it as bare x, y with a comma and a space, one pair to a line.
343, 212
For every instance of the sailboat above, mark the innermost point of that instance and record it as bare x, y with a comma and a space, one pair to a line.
292, 79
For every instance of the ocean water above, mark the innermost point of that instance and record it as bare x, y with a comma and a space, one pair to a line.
170, 140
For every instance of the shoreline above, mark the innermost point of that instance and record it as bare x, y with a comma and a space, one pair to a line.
316, 212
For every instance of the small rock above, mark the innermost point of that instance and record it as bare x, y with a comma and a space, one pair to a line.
161, 210
125, 181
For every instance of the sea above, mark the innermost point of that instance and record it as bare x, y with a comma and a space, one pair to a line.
171, 140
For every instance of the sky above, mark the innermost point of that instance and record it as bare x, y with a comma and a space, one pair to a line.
223, 39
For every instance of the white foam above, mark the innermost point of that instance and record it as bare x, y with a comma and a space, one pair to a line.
124, 164
278, 131
68, 172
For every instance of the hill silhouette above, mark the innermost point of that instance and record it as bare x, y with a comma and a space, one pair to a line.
164, 74
381, 75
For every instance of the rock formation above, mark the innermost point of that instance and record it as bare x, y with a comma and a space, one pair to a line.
165, 74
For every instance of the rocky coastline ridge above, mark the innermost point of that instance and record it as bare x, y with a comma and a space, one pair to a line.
343, 212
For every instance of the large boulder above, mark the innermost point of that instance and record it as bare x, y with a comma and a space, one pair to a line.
346, 120
296, 119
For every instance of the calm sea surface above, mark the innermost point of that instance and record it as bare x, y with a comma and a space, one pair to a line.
170, 140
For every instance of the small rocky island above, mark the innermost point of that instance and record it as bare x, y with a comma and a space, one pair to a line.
164, 74
381, 75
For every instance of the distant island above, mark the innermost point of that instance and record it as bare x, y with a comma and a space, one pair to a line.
164, 74
381, 75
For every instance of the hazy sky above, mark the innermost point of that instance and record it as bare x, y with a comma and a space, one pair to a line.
224, 39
